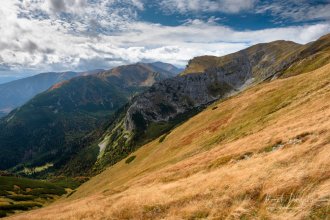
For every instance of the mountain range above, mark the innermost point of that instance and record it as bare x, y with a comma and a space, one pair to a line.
52, 127
244, 136
6, 79
83, 125
205, 80
15, 93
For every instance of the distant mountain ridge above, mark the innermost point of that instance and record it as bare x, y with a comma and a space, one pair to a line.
6, 79
169, 67
54, 125
15, 93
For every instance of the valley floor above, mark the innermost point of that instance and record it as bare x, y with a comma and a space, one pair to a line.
262, 154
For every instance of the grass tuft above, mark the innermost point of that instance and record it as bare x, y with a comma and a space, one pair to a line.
200, 214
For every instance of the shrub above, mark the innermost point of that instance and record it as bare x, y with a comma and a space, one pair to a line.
70, 194
4, 193
20, 206
130, 159
2, 214
154, 211
21, 197
272, 147
320, 211
43, 191
162, 138
201, 214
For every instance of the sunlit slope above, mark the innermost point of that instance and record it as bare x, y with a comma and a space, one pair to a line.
263, 154
311, 56
282, 58
262, 60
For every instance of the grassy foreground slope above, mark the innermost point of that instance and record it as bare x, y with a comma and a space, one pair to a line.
262, 154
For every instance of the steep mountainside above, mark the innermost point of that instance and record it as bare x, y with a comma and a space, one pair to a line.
140, 74
172, 101
18, 92
261, 154
53, 127
281, 57
310, 57
259, 61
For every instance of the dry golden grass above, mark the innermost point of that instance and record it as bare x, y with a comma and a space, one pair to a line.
263, 154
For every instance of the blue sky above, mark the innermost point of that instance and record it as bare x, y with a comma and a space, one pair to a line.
59, 35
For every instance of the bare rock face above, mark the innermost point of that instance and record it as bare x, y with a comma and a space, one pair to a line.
221, 75
164, 105
167, 99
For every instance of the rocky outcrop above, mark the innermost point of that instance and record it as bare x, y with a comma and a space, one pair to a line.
169, 98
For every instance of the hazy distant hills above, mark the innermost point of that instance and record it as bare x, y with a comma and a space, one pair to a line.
6, 79
51, 127
16, 93
168, 67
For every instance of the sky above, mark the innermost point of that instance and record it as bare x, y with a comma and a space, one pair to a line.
78, 35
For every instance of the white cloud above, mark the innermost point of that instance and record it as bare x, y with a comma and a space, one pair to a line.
227, 6
37, 39
297, 10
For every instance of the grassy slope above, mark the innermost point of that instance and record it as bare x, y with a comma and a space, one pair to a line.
277, 52
263, 154
315, 55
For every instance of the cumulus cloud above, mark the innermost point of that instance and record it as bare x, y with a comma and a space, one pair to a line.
227, 6
64, 5
297, 10
58, 5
